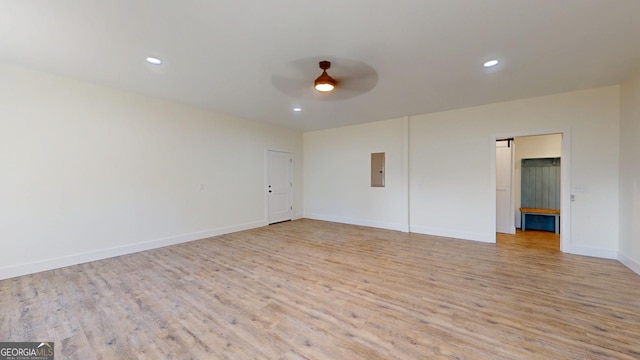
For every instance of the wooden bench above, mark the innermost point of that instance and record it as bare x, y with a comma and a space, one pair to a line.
546, 212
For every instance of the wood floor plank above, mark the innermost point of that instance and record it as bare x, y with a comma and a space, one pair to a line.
317, 290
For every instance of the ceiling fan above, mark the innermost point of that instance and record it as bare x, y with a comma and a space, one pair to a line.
345, 79
324, 82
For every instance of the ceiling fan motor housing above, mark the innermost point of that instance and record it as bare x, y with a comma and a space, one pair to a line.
324, 64
324, 83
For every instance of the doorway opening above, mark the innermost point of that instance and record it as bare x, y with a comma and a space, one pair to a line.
532, 147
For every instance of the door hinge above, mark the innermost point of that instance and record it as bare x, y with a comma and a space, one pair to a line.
292, 208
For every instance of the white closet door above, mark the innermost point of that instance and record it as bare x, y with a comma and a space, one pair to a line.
505, 221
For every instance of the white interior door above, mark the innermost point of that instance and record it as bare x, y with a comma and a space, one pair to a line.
279, 186
505, 220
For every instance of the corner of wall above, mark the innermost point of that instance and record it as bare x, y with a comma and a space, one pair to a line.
629, 262
629, 174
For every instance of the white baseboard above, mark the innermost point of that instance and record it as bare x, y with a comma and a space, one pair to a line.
507, 230
404, 228
55, 263
456, 234
360, 222
593, 252
629, 262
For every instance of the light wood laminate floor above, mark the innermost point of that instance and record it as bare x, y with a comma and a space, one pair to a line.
317, 290
531, 239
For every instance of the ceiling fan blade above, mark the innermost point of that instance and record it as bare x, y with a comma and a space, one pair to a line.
294, 87
360, 82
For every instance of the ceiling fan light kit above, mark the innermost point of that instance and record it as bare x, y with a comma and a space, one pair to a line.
324, 82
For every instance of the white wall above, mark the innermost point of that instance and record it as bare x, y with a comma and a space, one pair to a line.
451, 153
630, 173
337, 175
90, 172
450, 176
531, 147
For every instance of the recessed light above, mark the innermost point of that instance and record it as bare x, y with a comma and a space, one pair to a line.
153, 60
297, 109
491, 63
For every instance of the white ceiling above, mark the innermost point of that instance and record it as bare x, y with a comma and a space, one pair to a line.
428, 54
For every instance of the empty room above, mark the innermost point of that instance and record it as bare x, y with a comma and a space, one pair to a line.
438, 179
